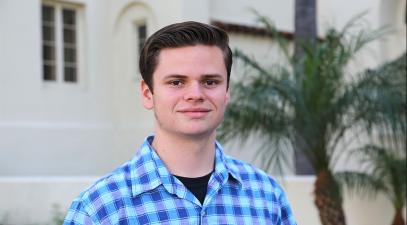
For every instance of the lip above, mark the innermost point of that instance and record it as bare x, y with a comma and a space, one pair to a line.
195, 113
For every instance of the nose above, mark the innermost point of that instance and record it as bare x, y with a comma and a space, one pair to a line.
194, 92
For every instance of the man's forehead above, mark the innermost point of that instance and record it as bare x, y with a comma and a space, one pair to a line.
200, 59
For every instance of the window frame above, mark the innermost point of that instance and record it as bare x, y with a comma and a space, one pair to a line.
141, 39
59, 45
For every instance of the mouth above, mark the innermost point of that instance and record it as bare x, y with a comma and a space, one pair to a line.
195, 113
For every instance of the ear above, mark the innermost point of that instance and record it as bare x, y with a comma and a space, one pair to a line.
146, 95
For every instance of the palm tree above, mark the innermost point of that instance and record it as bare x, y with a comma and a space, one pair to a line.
385, 164
309, 109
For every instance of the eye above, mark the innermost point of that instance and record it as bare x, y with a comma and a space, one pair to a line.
175, 83
210, 83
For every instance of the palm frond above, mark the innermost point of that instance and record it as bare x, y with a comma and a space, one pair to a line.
388, 167
314, 106
271, 29
358, 183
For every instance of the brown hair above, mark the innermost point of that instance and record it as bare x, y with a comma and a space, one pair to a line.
180, 35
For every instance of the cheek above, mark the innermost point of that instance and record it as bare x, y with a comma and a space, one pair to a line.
165, 102
220, 99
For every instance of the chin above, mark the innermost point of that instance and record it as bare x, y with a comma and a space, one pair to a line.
198, 132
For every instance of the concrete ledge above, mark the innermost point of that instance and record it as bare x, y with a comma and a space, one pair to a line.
30, 200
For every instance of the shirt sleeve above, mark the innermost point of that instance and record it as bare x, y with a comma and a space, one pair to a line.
286, 215
77, 215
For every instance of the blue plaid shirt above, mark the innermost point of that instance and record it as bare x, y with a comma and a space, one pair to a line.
143, 191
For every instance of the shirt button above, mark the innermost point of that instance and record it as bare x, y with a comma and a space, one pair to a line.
203, 213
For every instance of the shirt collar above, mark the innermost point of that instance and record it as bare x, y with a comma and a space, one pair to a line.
223, 165
147, 170
143, 170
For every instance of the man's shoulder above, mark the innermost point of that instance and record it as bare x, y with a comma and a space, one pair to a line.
118, 183
110, 187
259, 185
245, 169
251, 176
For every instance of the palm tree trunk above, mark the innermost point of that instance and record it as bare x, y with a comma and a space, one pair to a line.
398, 218
305, 32
328, 200
305, 26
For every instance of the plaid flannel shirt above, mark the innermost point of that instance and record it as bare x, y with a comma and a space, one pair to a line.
143, 191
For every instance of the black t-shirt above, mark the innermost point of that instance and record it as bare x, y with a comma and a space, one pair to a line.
197, 185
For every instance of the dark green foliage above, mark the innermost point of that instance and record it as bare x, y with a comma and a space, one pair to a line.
310, 105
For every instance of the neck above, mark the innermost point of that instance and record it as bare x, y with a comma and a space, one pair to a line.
186, 156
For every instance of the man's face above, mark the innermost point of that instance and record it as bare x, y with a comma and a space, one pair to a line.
190, 90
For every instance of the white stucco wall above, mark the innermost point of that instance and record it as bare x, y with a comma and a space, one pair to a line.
45, 127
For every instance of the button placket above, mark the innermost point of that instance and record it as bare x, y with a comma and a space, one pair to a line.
202, 216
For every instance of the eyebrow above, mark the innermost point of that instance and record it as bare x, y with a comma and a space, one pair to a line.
205, 76
170, 76
218, 76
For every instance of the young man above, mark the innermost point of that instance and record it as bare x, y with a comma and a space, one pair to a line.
181, 174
